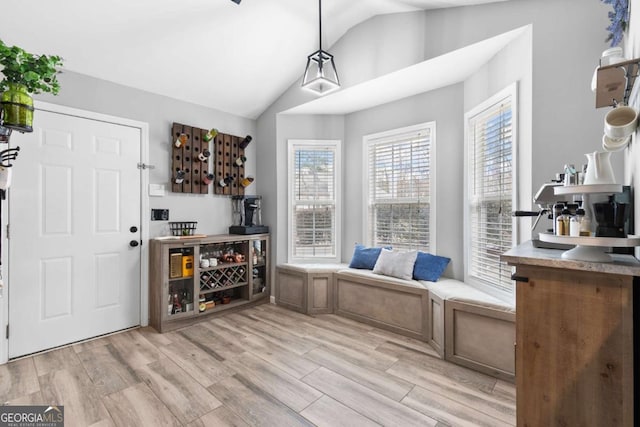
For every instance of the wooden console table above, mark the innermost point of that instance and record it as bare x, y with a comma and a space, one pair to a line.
576, 335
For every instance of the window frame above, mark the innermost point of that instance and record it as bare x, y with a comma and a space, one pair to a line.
511, 92
336, 146
381, 137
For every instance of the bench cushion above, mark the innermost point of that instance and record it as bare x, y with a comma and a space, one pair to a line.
455, 290
314, 268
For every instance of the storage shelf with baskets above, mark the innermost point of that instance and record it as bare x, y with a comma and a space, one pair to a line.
235, 274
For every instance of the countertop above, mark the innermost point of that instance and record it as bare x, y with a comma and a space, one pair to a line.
526, 254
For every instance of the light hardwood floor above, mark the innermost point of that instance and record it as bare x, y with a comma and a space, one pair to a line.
262, 366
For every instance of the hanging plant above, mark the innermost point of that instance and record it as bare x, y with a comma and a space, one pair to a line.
619, 18
36, 72
24, 74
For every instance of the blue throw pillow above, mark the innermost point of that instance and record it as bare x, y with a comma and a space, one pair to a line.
364, 258
429, 267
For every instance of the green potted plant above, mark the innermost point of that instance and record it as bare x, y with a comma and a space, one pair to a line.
23, 74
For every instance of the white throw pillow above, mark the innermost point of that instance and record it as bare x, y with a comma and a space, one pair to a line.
396, 263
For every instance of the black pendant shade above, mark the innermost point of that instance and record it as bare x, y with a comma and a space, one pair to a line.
320, 75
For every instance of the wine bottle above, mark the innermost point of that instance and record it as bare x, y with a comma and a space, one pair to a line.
245, 142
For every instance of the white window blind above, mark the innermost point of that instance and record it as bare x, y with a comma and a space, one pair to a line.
399, 188
490, 193
313, 199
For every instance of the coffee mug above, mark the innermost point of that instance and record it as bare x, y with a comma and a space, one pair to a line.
620, 122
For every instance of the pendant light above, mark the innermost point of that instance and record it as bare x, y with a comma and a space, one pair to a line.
320, 76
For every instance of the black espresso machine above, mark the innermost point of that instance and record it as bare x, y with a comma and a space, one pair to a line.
247, 215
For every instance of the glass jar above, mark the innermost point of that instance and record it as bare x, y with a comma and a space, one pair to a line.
557, 211
562, 223
575, 223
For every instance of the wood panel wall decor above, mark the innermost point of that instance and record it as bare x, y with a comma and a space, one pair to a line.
224, 153
227, 151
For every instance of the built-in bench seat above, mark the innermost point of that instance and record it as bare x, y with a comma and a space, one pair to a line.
472, 328
465, 325
307, 288
394, 304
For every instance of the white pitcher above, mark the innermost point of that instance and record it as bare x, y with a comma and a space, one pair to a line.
599, 170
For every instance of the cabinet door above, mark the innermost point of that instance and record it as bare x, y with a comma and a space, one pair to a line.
178, 295
259, 254
574, 358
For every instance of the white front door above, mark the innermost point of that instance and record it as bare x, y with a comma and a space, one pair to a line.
74, 208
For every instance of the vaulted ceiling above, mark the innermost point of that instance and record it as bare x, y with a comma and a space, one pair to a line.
215, 53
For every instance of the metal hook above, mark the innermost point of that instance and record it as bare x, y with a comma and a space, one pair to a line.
7, 155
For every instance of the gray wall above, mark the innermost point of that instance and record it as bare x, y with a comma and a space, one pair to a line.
213, 213
297, 127
567, 40
511, 64
444, 106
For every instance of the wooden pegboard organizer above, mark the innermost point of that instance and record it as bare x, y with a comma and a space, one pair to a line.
226, 149
185, 158
224, 152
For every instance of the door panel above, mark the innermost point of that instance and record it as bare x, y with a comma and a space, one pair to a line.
75, 194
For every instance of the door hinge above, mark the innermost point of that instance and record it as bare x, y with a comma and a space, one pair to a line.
144, 166
7, 231
7, 331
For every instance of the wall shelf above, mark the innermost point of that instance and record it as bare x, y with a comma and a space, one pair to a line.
615, 83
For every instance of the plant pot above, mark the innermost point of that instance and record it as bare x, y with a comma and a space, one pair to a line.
17, 108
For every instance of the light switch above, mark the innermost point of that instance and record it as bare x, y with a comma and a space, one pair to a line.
156, 190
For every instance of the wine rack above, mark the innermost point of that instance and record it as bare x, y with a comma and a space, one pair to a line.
225, 276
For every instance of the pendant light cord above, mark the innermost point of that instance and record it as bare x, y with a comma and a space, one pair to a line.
320, 23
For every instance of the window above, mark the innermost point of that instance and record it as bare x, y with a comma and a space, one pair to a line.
490, 191
399, 175
313, 194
